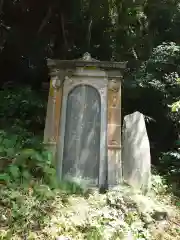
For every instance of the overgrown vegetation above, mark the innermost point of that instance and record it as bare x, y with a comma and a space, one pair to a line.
143, 33
35, 206
27, 176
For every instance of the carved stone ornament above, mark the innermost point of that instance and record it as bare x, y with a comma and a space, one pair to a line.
59, 76
56, 82
87, 57
114, 85
68, 73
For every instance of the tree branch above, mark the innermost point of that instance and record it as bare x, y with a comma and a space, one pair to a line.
1, 5
89, 33
134, 53
45, 20
63, 31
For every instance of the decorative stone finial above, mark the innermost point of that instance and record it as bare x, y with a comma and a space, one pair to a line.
87, 57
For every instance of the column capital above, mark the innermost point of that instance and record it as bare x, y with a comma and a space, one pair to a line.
58, 77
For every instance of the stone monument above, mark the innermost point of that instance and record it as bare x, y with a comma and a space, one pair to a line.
136, 152
83, 122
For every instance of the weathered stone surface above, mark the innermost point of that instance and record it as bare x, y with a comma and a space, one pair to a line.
62, 238
136, 152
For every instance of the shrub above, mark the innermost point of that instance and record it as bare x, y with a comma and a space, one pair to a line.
23, 109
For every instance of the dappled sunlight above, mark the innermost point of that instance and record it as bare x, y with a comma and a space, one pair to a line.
82, 134
48, 213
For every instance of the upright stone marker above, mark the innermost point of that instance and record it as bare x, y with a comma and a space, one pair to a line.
136, 152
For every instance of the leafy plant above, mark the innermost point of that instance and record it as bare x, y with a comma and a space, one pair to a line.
175, 106
159, 185
170, 162
22, 109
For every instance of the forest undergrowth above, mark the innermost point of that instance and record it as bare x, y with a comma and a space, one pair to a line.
34, 205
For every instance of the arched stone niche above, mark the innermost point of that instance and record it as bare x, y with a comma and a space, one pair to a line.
83, 123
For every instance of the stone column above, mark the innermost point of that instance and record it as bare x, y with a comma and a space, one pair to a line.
114, 130
51, 125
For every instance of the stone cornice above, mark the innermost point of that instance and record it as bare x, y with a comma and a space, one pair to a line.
60, 70
59, 64
85, 61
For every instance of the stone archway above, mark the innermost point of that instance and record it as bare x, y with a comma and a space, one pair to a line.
81, 153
